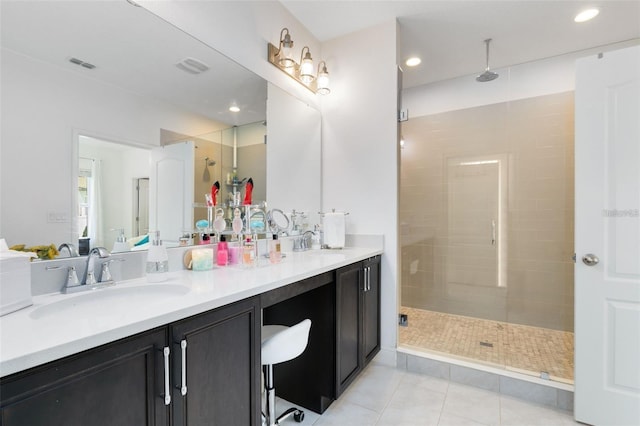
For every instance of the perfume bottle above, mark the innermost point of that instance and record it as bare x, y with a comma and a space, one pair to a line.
248, 253
275, 255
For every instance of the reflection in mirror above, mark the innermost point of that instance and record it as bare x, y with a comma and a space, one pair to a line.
293, 157
114, 179
113, 192
135, 90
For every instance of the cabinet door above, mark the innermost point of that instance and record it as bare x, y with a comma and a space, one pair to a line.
222, 367
371, 320
348, 325
117, 384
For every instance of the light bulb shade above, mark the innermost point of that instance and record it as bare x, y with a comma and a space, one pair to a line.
285, 56
306, 66
322, 83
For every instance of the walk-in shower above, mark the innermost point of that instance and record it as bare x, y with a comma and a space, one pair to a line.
486, 211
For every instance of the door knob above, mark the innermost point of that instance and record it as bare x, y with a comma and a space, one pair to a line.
590, 259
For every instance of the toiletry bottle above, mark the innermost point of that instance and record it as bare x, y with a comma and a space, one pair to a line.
234, 252
157, 260
223, 252
120, 245
275, 256
248, 253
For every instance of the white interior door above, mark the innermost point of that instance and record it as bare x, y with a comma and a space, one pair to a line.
171, 190
607, 242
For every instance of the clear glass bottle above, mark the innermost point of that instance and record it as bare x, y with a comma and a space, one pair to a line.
248, 253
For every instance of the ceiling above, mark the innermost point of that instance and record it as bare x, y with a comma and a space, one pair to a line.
449, 35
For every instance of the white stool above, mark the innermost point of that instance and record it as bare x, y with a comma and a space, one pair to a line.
279, 344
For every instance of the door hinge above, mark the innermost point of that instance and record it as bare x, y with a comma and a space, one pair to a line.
574, 258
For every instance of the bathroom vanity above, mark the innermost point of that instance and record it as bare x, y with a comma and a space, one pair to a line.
191, 356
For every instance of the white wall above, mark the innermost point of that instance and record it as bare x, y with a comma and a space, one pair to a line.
42, 106
360, 148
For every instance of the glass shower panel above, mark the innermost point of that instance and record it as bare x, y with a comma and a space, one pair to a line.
486, 212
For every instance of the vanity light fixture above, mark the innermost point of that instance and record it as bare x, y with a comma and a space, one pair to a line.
303, 73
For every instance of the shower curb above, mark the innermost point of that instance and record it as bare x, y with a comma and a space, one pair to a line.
518, 385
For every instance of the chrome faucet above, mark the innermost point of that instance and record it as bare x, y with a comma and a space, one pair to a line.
89, 276
73, 252
89, 282
303, 242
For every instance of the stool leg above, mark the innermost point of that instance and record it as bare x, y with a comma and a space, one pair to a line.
271, 395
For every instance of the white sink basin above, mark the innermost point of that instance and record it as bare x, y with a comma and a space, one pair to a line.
97, 303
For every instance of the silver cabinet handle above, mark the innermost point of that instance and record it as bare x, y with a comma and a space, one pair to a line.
367, 278
183, 346
364, 284
590, 259
167, 389
493, 232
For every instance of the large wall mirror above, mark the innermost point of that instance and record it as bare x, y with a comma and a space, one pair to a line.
91, 90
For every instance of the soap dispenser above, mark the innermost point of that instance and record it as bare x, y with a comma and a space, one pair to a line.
120, 245
157, 260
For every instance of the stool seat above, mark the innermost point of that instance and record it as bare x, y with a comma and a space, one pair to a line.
279, 344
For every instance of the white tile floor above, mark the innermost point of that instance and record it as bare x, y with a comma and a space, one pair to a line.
384, 395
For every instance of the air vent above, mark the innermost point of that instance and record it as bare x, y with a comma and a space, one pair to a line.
82, 63
192, 66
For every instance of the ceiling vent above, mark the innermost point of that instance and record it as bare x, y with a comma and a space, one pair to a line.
82, 63
192, 66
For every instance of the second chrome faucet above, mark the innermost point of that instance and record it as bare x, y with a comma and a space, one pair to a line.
89, 281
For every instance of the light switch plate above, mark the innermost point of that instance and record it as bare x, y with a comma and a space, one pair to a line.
57, 217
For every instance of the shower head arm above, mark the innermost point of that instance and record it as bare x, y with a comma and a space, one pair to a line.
487, 41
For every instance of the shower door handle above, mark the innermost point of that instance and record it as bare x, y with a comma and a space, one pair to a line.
493, 232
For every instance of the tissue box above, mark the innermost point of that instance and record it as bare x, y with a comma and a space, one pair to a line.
15, 282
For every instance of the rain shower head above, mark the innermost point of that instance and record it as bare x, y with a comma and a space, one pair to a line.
206, 175
487, 75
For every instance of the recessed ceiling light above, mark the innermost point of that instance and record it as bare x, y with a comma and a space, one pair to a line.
413, 61
234, 108
586, 15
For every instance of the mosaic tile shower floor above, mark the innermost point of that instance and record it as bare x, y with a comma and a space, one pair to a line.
521, 348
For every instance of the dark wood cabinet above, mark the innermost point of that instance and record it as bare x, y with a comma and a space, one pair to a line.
212, 361
222, 367
123, 383
117, 384
357, 319
371, 312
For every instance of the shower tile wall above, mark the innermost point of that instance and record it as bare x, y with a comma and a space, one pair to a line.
533, 141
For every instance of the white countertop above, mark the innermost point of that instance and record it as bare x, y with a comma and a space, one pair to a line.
26, 342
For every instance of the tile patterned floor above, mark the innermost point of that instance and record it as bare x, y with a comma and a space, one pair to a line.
384, 395
529, 350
